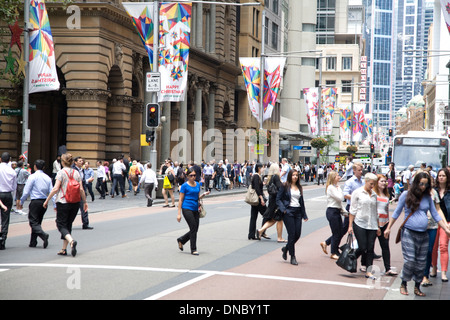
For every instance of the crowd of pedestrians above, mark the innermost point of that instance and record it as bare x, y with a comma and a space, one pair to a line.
360, 206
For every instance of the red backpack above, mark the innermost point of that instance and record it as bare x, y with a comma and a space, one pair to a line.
72, 194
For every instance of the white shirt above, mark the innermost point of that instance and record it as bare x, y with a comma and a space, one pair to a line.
101, 172
335, 197
118, 167
364, 208
8, 178
407, 176
295, 198
149, 176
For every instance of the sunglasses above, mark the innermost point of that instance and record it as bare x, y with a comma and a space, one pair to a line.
423, 184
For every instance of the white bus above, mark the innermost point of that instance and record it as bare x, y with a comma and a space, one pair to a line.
417, 147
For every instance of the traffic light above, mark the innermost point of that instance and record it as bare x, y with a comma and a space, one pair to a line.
153, 115
150, 137
391, 132
372, 148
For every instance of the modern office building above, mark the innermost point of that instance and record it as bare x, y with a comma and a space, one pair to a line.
379, 49
412, 24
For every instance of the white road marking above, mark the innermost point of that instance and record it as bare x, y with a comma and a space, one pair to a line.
204, 274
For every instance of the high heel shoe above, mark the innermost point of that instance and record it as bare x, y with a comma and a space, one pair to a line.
284, 250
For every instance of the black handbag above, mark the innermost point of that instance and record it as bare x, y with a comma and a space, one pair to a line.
347, 260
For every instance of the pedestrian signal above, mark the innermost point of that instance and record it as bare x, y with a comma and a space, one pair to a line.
152, 111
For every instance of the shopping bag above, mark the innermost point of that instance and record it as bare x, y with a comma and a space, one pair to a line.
201, 209
347, 260
167, 184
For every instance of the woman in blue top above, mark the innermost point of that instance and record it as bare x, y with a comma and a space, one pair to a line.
417, 200
188, 204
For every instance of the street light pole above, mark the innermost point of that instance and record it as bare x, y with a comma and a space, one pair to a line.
25, 107
261, 85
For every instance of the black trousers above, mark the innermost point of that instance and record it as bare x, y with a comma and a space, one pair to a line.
7, 200
118, 179
148, 189
366, 244
35, 216
207, 179
65, 215
293, 222
253, 217
337, 229
193, 220
101, 187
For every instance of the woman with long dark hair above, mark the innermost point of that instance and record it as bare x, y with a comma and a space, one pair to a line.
416, 202
257, 185
188, 205
290, 202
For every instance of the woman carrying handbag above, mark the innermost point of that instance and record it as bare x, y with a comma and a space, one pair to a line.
257, 186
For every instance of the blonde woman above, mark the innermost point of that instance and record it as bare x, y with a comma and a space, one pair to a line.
335, 208
364, 222
134, 174
272, 215
66, 212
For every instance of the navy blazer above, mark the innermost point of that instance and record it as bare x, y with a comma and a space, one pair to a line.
284, 199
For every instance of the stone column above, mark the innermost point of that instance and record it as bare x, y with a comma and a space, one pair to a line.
182, 125
165, 132
199, 26
212, 32
211, 114
86, 122
198, 136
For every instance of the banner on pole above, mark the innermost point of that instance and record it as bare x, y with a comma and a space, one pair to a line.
174, 44
42, 68
445, 4
273, 74
141, 15
345, 123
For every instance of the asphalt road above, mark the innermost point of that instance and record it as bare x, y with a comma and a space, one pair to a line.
132, 254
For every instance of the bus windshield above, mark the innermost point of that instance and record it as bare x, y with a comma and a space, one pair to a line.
405, 155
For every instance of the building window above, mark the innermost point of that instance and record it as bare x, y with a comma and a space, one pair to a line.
275, 6
274, 36
346, 63
346, 86
266, 30
331, 63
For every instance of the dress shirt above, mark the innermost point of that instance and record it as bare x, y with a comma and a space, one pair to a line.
208, 170
149, 176
351, 185
8, 178
364, 208
118, 167
38, 186
88, 174
101, 173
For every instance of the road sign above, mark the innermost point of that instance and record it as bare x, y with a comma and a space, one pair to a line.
153, 82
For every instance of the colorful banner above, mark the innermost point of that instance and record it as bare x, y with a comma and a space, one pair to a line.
273, 74
251, 73
42, 67
445, 5
312, 107
358, 121
327, 111
345, 122
174, 44
141, 15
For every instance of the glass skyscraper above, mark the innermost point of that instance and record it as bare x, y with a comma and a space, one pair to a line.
378, 35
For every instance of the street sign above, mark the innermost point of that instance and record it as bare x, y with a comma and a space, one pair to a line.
153, 82
11, 112
301, 147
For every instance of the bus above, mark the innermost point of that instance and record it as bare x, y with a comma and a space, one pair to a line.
417, 147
